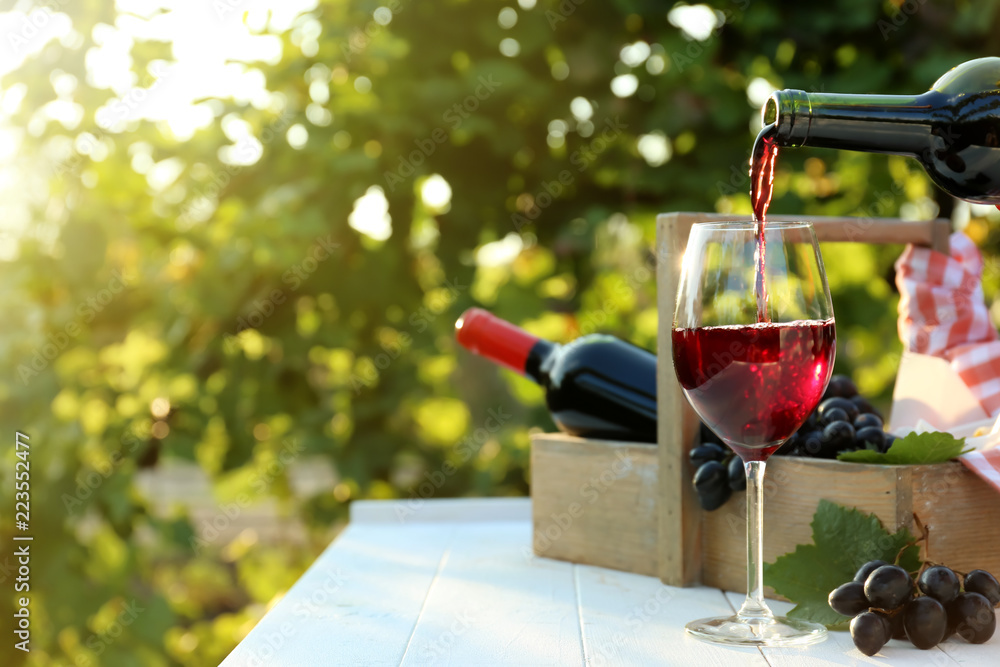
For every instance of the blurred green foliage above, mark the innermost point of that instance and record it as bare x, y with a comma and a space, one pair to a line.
250, 320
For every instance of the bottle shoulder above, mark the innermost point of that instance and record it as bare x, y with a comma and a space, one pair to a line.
604, 356
979, 75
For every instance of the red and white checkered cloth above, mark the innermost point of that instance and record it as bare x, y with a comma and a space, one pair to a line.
942, 313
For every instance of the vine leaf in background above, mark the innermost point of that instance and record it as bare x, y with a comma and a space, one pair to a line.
844, 539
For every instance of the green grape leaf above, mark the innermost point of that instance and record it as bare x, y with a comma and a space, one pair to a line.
844, 539
915, 448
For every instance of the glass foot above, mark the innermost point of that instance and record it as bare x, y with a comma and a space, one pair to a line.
768, 631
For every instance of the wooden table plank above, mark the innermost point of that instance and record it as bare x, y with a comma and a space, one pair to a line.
839, 649
494, 603
630, 619
975, 654
356, 605
440, 591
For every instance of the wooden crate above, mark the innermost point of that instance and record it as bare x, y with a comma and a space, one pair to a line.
648, 519
595, 502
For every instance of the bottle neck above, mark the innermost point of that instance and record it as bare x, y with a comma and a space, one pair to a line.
897, 124
503, 343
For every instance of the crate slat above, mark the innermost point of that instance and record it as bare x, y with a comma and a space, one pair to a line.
594, 502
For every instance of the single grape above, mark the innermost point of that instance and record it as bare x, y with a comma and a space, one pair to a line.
705, 452
867, 419
713, 500
737, 474
833, 415
842, 403
889, 439
711, 482
898, 629
984, 583
865, 571
888, 587
870, 437
895, 621
864, 406
812, 444
925, 621
841, 385
837, 437
940, 583
849, 599
812, 422
870, 632
972, 617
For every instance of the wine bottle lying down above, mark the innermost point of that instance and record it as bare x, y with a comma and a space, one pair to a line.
597, 386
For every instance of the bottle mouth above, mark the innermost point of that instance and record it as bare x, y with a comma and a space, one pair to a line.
769, 114
790, 112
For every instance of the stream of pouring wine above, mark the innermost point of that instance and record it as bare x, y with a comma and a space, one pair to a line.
762, 158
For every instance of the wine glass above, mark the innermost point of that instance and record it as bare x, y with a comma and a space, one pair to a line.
753, 358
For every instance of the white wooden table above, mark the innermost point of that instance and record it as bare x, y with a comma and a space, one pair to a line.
454, 583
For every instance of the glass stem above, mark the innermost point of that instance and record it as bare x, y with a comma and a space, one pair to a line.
754, 608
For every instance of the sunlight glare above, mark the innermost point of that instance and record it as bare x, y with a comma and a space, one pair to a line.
500, 253
654, 148
696, 21
436, 193
371, 215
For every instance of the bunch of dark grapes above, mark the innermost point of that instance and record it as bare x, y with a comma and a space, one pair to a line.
884, 603
843, 421
718, 472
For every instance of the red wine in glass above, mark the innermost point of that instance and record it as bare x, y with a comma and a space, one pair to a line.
753, 369
754, 385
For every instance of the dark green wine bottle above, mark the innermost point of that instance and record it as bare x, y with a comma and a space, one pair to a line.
953, 129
